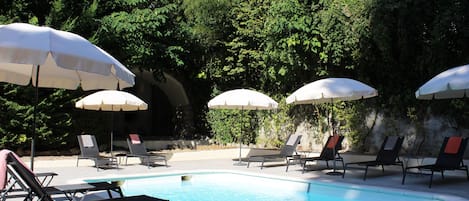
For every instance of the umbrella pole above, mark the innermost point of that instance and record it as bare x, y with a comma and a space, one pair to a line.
334, 171
112, 134
36, 100
240, 145
240, 163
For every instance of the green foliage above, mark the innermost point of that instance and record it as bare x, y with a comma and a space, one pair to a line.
341, 24
291, 46
410, 42
231, 126
353, 120
276, 125
147, 35
53, 119
14, 128
242, 63
208, 20
13, 11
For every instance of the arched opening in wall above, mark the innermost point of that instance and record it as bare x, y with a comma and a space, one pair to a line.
162, 114
162, 119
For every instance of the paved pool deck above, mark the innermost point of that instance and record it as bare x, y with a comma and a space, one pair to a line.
454, 184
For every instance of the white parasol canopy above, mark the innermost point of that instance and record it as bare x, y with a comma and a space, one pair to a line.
66, 60
111, 100
243, 99
331, 89
56, 59
452, 83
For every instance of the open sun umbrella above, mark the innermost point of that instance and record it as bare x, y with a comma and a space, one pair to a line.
242, 99
330, 90
452, 83
111, 100
56, 59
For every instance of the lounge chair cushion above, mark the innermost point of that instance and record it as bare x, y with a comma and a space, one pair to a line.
390, 143
333, 141
87, 141
135, 139
452, 147
292, 140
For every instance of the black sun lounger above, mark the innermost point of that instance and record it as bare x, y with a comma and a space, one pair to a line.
89, 150
13, 188
387, 155
138, 149
450, 157
44, 193
287, 151
329, 152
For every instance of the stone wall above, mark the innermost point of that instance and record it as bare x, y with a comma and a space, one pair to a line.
422, 142
418, 142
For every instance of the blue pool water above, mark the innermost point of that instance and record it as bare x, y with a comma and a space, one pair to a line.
228, 186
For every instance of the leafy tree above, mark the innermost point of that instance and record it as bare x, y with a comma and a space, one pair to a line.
147, 33
408, 43
231, 126
209, 21
277, 126
53, 119
292, 47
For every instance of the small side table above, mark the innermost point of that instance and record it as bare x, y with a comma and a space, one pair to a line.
418, 160
294, 159
120, 157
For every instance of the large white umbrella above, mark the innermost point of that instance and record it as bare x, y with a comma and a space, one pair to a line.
56, 59
242, 99
111, 100
64, 60
452, 83
329, 90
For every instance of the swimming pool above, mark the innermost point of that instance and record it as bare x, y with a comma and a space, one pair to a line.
235, 186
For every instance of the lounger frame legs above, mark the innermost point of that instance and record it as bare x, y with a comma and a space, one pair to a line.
433, 170
366, 166
147, 160
327, 163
